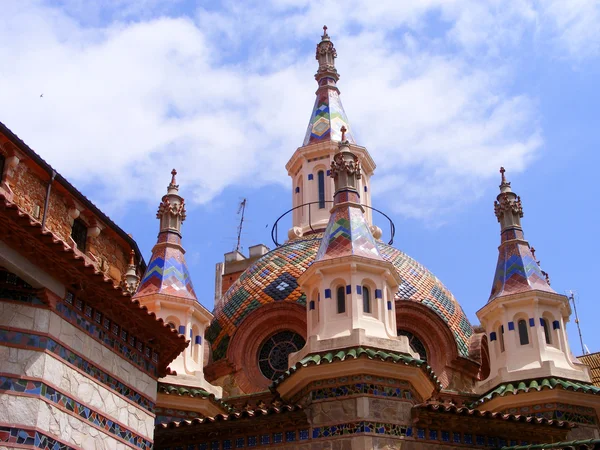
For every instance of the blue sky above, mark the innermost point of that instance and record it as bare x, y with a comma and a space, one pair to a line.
441, 92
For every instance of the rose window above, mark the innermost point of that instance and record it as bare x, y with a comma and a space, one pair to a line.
274, 352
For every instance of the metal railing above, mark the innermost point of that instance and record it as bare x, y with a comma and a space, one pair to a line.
275, 229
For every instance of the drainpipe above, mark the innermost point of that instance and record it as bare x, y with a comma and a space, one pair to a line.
47, 201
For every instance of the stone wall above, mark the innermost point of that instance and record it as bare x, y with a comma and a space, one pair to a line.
58, 381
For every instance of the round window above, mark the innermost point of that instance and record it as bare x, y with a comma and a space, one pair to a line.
415, 343
274, 352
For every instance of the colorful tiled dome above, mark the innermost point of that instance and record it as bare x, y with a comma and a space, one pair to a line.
273, 279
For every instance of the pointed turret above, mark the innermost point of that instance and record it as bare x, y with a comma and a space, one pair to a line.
517, 269
328, 114
167, 272
347, 232
167, 291
524, 317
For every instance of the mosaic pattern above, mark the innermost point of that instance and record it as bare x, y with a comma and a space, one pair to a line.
30, 437
361, 427
40, 389
167, 272
248, 441
376, 390
327, 118
45, 343
347, 233
558, 411
517, 270
95, 324
247, 293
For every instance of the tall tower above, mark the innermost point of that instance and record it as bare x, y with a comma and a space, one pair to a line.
309, 165
524, 318
166, 289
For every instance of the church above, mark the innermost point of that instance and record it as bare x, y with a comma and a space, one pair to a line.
332, 339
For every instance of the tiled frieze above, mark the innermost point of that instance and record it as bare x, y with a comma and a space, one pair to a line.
34, 413
31, 438
42, 390
44, 343
109, 332
55, 373
83, 334
558, 411
360, 385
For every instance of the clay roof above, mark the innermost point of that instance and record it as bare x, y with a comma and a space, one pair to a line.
53, 251
593, 361
193, 392
567, 445
519, 387
464, 411
273, 277
355, 353
21, 145
250, 413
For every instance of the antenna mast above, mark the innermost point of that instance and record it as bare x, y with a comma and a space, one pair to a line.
241, 210
572, 298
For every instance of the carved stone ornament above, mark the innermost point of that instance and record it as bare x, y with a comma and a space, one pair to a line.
508, 205
341, 164
175, 209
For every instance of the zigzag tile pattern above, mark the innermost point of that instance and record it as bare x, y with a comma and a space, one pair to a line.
269, 280
327, 118
167, 273
347, 233
517, 270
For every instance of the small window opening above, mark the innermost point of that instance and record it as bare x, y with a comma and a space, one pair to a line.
523, 335
547, 334
501, 337
366, 295
321, 178
79, 234
341, 300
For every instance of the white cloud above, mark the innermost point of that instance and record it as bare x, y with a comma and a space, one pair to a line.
225, 96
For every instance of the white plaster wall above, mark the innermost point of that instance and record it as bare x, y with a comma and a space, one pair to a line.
34, 413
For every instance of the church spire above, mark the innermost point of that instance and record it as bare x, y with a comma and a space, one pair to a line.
328, 115
347, 232
517, 269
167, 272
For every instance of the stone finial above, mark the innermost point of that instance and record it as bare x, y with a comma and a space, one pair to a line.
343, 130
326, 55
171, 210
504, 185
345, 169
130, 278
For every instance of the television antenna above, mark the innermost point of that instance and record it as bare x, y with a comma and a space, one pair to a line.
572, 299
241, 211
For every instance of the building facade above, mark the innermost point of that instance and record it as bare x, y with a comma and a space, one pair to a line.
333, 339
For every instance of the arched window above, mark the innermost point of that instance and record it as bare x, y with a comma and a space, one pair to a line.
366, 295
321, 179
415, 344
172, 325
523, 335
547, 334
501, 337
274, 352
341, 300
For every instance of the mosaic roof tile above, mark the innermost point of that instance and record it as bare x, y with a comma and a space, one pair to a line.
593, 361
167, 272
248, 292
519, 387
327, 119
355, 353
517, 270
347, 233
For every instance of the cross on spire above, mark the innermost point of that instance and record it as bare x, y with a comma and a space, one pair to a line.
324, 31
502, 170
173, 173
343, 130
